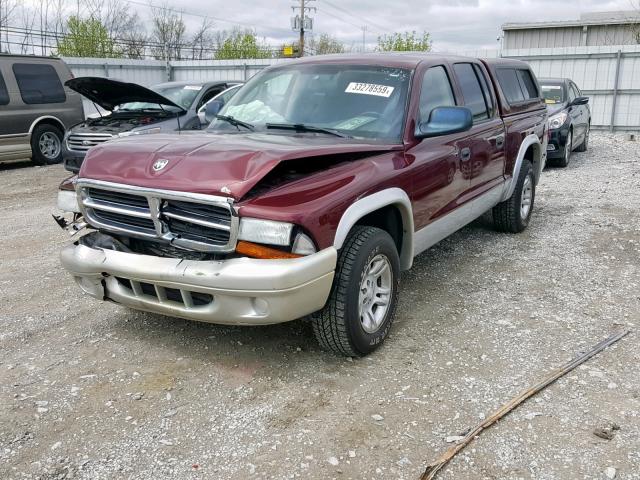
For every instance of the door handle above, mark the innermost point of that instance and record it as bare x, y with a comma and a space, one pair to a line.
499, 141
465, 154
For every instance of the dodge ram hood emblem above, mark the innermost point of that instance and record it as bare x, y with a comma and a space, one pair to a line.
160, 164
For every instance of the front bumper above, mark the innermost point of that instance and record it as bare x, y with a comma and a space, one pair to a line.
557, 142
72, 159
240, 291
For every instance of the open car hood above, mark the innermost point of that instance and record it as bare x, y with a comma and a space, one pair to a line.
110, 93
213, 164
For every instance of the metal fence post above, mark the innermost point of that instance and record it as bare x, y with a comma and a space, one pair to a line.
106, 69
615, 91
245, 71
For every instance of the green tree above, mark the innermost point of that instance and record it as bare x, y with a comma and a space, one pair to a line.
405, 42
87, 38
240, 44
325, 44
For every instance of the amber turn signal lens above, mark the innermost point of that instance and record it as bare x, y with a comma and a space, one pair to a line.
254, 250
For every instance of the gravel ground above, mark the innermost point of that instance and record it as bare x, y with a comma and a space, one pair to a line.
92, 390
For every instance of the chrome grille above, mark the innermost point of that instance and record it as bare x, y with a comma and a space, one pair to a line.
81, 142
191, 221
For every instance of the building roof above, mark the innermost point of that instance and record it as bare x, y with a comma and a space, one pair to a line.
586, 19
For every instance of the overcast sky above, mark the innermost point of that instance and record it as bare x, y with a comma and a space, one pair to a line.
453, 24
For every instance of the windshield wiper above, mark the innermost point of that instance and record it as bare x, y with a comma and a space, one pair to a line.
301, 127
235, 122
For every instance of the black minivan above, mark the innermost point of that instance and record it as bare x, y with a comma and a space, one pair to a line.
35, 108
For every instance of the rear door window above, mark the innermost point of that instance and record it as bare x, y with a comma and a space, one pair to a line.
435, 92
471, 91
510, 85
528, 85
38, 83
485, 89
4, 94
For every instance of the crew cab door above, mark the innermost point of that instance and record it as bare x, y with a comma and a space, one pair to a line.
482, 149
436, 175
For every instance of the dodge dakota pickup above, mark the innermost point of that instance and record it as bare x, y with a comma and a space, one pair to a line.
313, 188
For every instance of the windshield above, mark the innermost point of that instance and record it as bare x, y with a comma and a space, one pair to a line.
358, 101
553, 93
182, 95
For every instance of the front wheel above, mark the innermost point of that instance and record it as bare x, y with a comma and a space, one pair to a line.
568, 148
513, 215
585, 143
363, 298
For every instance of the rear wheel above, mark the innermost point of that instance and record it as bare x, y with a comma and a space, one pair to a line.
363, 299
513, 215
46, 145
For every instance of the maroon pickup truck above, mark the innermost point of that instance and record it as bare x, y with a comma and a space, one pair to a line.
313, 188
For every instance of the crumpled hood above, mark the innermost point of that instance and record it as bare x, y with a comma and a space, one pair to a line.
110, 93
214, 164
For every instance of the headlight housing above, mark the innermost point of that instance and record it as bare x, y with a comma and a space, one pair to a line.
68, 201
303, 245
269, 232
557, 120
140, 132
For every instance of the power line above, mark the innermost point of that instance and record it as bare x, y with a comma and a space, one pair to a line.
338, 18
359, 17
50, 40
200, 15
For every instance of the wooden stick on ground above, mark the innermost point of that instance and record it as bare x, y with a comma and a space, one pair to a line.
434, 467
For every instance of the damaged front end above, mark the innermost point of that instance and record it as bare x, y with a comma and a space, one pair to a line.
71, 220
183, 255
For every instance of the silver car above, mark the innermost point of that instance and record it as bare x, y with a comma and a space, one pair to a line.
131, 109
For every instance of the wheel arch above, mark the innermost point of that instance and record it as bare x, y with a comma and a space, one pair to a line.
373, 210
47, 119
530, 149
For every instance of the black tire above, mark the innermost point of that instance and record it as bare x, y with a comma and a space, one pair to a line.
338, 326
507, 216
49, 156
585, 142
566, 157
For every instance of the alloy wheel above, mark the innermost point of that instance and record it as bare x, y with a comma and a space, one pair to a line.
567, 148
50, 146
375, 293
526, 198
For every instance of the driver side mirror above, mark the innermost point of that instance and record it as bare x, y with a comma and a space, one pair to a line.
445, 121
580, 101
211, 109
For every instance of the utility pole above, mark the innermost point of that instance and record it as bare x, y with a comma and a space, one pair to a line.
0, 26
364, 41
300, 21
302, 28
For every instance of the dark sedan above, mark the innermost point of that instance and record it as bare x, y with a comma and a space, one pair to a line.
569, 119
